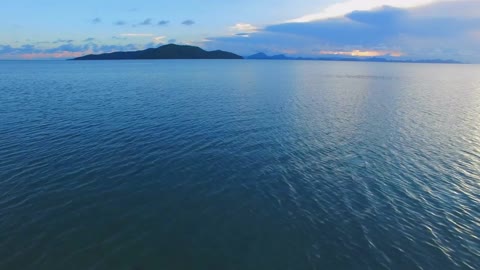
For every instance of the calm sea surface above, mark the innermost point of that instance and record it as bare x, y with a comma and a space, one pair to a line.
239, 165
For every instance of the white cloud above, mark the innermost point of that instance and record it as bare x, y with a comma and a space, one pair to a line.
244, 28
346, 7
159, 39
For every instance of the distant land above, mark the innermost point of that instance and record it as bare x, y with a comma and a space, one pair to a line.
263, 56
173, 51
170, 51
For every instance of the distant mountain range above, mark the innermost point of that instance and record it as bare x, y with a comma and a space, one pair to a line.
263, 56
170, 51
173, 51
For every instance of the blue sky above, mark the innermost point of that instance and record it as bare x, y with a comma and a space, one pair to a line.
413, 29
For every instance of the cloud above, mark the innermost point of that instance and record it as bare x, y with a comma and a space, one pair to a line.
423, 32
27, 48
171, 41
244, 28
146, 22
96, 20
163, 22
120, 23
66, 48
188, 22
361, 53
29, 51
381, 16
95, 48
63, 41
464, 8
342, 8
243, 34
159, 39
57, 55
89, 39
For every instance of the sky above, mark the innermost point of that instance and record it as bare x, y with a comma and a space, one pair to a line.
402, 29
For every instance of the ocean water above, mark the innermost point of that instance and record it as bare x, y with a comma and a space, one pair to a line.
239, 165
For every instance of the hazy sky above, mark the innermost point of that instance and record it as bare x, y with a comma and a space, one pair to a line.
46, 29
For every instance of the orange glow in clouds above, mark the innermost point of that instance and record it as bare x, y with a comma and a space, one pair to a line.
359, 53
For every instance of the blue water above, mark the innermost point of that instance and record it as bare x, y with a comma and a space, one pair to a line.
239, 165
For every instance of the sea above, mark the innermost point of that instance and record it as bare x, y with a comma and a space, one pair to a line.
238, 165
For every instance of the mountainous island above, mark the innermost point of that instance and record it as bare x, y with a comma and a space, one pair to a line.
173, 51
170, 51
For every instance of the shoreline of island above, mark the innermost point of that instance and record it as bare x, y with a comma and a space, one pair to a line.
187, 52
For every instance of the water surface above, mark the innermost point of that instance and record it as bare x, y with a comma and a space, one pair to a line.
239, 165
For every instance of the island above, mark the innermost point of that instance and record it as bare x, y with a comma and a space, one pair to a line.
170, 51
174, 51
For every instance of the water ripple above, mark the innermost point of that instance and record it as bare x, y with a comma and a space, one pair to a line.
303, 165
